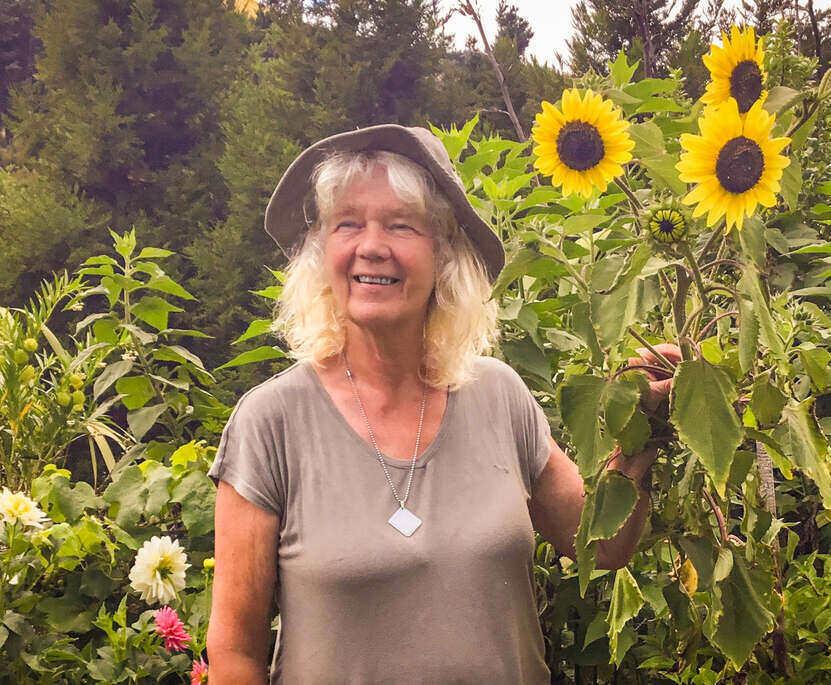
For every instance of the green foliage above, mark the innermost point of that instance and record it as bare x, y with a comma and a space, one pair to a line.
69, 614
587, 267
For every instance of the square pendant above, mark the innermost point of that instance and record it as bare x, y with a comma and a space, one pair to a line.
404, 521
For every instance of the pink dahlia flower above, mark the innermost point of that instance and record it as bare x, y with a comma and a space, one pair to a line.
172, 630
199, 672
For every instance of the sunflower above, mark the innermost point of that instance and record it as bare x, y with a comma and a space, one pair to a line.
582, 146
737, 70
734, 161
667, 225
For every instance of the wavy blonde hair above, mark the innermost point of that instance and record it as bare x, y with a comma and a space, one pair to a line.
461, 317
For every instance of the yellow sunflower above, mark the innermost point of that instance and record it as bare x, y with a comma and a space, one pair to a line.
737, 70
734, 161
584, 145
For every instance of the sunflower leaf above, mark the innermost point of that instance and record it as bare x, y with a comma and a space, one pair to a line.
702, 410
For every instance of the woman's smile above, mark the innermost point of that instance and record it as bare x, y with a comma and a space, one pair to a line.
379, 256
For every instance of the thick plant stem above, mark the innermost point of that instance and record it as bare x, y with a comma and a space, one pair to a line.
468, 8
685, 250
633, 200
715, 235
679, 313
767, 491
722, 526
643, 341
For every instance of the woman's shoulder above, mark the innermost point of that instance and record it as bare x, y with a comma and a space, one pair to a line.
490, 370
269, 397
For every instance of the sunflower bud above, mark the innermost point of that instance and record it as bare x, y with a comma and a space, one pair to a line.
667, 225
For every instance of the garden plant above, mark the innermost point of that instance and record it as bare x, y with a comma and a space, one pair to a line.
633, 216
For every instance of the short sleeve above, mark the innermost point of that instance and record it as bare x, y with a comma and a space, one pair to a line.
248, 456
530, 428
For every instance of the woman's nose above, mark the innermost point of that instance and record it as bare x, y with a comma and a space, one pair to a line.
373, 242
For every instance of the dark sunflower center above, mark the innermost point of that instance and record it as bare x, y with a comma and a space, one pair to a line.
746, 84
579, 145
666, 226
740, 164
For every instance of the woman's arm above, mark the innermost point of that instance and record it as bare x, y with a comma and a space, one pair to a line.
244, 580
557, 503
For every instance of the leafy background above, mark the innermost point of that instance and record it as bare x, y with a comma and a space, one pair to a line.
140, 142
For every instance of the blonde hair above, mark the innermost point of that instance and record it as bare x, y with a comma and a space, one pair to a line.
461, 317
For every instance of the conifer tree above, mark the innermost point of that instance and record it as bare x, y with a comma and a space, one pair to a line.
646, 29
124, 107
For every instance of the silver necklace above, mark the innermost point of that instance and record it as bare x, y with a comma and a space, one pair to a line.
403, 520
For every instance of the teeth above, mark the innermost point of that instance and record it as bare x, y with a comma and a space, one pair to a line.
379, 280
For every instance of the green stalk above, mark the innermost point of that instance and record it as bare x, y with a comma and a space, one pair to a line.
685, 250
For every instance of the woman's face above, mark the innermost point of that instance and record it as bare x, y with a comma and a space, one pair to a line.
379, 256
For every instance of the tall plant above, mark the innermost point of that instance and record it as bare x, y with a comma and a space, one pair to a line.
668, 220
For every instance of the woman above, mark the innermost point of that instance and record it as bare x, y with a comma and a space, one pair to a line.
388, 484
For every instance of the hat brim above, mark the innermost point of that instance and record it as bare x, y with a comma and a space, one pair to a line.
285, 217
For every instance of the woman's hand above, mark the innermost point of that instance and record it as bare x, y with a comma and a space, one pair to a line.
659, 385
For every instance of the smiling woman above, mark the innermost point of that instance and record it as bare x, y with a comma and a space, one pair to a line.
377, 201
390, 480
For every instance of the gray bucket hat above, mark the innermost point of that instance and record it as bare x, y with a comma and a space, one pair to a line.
285, 218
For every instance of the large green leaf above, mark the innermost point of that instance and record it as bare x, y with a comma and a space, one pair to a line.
748, 334
614, 500
258, 354
634, 435
585, 551
744, 619
110, 375
792, 184
582, 326
140, 490
766, 400
136, 390
780, 97
816, 362
196, 492
750, 284
662, 171
805, 444
622, 304
620, 398
256, 328
142, 420
702, 411
581, 404
627, 601
154, 311
649, 140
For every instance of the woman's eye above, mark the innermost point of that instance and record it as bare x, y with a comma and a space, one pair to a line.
402, 227
347, 224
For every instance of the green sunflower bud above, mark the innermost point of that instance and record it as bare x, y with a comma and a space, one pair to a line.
667, 225
20, 356
76, 380
78, 397
30, 344
63, 398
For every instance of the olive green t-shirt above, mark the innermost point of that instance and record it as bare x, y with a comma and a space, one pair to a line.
361, 603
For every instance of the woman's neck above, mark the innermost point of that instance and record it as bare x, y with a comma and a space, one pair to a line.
388, 360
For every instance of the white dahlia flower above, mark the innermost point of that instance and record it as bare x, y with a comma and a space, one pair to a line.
16, 507
158, 572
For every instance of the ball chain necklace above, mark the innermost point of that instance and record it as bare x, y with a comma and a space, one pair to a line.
403, 520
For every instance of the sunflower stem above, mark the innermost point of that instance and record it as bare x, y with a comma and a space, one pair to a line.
648, 345
699, 281
710, 242
679, 312
633, 201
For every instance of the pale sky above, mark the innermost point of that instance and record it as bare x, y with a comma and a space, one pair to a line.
550, 20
